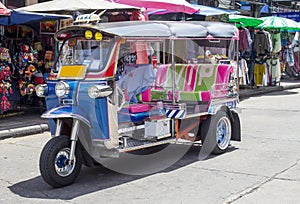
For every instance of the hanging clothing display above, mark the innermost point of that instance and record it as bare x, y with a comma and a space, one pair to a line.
259, 72
262, 47
274, 66
245, 45
243, 75
245, 41
262, 43
273, 62
288, 55
276, 42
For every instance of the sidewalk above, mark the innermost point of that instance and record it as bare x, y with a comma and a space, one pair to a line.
285, 84
29, 121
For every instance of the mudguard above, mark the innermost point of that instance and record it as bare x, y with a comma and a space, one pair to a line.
67, 111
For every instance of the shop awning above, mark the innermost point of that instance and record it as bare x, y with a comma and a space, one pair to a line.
212, 11
246, 21
203, 10
3, 10
275, 22
75, 5
22, 18
170, 5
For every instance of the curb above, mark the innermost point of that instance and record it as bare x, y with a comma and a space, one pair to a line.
259, 92
23, 131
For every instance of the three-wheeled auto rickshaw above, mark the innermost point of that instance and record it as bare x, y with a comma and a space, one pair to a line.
120, 87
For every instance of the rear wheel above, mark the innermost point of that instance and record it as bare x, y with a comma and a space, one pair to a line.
216, 132
55, 167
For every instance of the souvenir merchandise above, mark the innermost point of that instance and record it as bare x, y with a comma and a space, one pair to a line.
26, 63
5, 79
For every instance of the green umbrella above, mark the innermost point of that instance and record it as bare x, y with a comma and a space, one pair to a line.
245, 20
275, 22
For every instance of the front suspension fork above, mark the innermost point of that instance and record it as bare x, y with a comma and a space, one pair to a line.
73, 138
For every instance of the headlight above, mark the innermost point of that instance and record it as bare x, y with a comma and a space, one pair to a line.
62, 89
99, 91
41, 90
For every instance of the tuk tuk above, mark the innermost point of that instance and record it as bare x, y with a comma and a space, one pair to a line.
124, 86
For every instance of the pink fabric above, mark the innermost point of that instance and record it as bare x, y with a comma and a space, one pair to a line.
190, 78
170, 95
205, 96
138, 108
146, 95
161, 76
223, 73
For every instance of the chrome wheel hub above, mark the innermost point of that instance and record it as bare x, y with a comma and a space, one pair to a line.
62, 165
223, 133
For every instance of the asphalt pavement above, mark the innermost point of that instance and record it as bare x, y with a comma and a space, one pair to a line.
28, 121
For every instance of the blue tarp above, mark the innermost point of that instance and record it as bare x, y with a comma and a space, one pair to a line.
290, 15
246, 6
212, 11
23, 18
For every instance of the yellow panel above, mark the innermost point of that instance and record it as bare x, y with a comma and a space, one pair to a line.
72, 72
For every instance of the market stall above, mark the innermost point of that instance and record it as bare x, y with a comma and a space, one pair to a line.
29, 40
283, 30
265, 48
25, 38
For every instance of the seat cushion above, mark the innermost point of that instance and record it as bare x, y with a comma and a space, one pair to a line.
138, 108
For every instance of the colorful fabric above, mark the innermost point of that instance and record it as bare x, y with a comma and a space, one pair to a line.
137, 81
259, 72
276, 42
193, 82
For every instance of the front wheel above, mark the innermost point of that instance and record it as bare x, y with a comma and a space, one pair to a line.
55, 167
216, 132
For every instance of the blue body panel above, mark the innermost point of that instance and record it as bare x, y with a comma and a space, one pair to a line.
51, 102
92, 112
96, 109
124, 116
67, 111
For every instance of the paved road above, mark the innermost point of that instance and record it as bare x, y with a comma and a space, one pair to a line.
263, 168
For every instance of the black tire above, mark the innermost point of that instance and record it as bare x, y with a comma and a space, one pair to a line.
213, 137
53, 167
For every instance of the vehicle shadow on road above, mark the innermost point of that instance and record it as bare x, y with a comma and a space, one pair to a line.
101, 178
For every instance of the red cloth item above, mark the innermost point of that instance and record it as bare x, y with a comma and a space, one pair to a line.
140, 48
3, 10
137, 16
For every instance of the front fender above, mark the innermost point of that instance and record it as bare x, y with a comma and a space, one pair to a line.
67, 112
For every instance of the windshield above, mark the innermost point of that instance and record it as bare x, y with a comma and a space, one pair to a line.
80, 51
